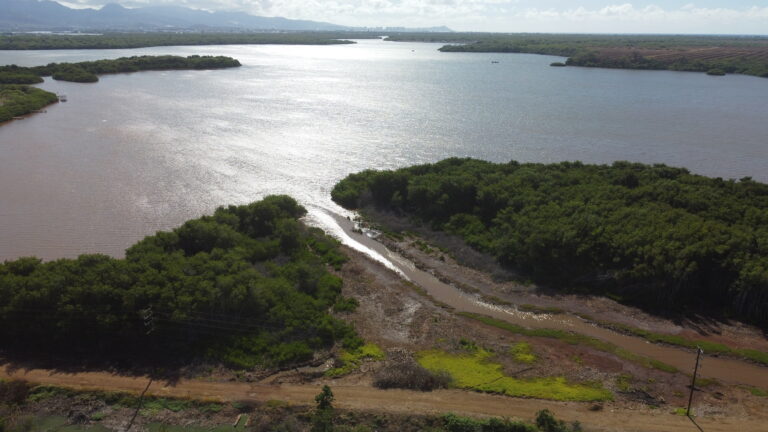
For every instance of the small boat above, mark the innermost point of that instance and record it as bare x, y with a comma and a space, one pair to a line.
62, 98
18, 118
494, 61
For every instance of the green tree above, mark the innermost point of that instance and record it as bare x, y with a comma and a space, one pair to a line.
322, 420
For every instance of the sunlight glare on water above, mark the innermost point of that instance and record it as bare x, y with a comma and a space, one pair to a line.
136, 153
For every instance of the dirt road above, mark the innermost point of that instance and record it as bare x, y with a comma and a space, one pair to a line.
367, 398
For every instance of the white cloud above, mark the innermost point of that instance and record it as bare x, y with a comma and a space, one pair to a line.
628, 12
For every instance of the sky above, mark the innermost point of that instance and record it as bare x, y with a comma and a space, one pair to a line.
560, 16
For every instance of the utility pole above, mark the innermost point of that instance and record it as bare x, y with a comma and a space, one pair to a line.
149, 320
699, 352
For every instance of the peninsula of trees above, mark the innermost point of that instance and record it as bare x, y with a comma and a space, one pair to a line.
88, 71
17, 100
655, 235
140, 40
249, 285
725, 54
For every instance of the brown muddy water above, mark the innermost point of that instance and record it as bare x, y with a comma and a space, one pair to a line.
136, 153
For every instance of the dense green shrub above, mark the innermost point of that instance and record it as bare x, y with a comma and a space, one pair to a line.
655, 234
546, 422
454, 423
11, 77
17, 100
245, 285
73, 73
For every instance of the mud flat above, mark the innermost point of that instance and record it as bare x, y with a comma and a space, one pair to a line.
730, 371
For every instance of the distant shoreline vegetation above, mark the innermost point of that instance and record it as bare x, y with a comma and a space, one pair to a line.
17, 98
651, 234
88, 71
746, 55
142, 40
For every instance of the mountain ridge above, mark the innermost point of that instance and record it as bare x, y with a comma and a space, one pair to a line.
48, 15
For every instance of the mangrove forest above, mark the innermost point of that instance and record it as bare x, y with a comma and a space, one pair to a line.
249, 285
651, 234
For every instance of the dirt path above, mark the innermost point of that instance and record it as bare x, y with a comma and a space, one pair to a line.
367, 398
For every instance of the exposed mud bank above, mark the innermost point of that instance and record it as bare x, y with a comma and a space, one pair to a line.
447, 290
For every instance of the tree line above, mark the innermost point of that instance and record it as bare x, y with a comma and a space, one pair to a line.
88, 71
249, 285
652, 234
140, 40
714, 66
585, 50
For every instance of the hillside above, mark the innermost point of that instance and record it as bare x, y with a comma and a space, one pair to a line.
50, 15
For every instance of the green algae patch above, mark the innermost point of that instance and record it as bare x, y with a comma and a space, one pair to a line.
521, 353
573, 339
351, 360
475, 371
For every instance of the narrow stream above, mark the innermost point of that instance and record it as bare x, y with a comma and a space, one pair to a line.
725, 370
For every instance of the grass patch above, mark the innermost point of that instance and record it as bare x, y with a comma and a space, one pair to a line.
351, 360
161, 427
757, 391
476, 372
754, 355
52, 423
680, 411
573, 339
706, 382
276, 404
676, 340
41, 393
521, 353
153, 406
624, 382
422, 246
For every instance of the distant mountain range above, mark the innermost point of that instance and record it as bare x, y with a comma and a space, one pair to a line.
34, 15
